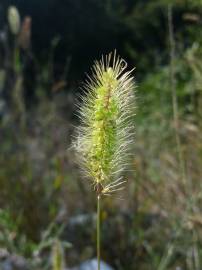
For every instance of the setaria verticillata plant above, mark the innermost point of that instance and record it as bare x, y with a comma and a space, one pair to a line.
106, 133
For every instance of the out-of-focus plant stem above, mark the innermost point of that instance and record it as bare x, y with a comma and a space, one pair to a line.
174, 94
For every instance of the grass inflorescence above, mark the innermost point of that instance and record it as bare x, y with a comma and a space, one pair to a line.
106, 132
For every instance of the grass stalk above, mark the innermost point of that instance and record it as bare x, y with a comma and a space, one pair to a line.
98, 232
174, 94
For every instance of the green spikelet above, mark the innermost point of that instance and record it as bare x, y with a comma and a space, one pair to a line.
105, 135
57, 256
14, 20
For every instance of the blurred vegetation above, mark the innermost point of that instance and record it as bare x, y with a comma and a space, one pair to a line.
46, 207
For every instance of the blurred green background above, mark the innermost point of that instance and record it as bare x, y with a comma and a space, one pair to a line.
47, 209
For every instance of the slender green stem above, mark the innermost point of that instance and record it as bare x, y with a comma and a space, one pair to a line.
98, 232
174, 94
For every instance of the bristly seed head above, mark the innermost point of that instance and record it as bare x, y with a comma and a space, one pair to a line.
105, 135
